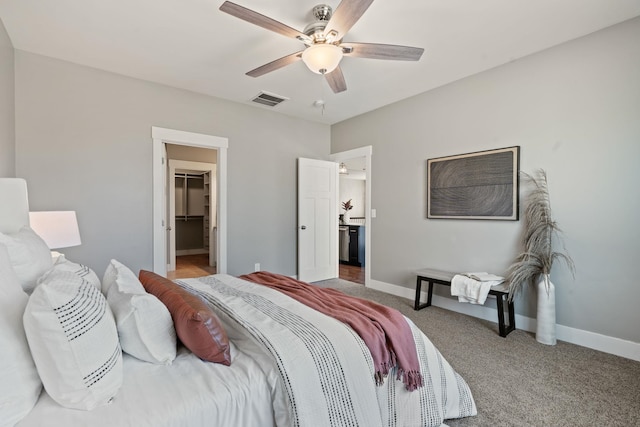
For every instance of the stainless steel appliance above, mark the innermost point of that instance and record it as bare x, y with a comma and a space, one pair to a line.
344, 243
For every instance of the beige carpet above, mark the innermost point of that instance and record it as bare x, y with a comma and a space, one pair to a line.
518, 382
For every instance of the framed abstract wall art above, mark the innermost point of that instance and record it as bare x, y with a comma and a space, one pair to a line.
480, 185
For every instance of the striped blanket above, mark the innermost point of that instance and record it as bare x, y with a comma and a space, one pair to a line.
325, 371
383, 329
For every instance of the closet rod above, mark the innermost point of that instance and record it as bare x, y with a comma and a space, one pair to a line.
188, 175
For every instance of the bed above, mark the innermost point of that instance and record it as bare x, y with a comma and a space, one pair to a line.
289, 364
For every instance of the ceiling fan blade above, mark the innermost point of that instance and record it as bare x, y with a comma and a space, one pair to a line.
262, 21
336, 80
346, 14
274, 65
382, 51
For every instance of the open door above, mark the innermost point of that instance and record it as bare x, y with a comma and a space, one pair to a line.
317, 220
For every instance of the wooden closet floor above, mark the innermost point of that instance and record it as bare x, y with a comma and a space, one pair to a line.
188, 266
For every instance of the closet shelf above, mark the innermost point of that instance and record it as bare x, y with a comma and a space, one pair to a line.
186, 217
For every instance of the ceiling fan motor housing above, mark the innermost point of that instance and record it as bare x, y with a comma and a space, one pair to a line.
322, 12
315, 30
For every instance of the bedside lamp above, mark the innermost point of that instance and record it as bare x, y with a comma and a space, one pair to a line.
59, 229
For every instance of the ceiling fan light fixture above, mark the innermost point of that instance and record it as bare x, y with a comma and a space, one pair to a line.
322, 58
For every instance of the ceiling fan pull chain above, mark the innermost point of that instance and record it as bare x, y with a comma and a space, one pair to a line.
322, 80
319, 103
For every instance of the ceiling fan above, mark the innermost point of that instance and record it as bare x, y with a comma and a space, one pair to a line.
323, 39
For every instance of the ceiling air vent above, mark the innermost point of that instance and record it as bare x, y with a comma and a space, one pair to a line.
269, 99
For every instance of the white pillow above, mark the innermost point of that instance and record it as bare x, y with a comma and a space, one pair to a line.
144, 323
29, 254
74, 341
20, 384
63, 264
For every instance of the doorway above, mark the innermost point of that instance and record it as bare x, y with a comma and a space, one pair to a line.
354, 251
162, 138
352, 204
192, 211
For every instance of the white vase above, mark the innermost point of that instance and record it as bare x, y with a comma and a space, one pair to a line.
546, 316
346, 217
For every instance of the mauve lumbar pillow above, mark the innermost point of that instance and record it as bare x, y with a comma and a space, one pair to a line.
197, 326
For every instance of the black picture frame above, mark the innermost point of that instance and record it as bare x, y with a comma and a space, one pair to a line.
479, 185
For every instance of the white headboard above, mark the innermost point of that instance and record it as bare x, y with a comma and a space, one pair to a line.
14, 204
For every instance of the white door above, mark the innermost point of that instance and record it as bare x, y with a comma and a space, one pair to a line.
317, 220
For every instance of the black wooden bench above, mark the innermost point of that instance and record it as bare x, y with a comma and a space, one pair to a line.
440, 277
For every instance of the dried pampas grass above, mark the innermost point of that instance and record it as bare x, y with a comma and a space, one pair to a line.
540, 229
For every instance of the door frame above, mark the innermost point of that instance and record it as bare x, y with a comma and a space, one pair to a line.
366, 152
160, 137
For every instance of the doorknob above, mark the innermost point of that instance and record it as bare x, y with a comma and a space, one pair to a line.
304, 227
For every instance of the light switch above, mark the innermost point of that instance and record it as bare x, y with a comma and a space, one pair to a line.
373, 213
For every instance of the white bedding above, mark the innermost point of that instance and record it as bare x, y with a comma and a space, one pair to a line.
188, 392
272, 372
326, 372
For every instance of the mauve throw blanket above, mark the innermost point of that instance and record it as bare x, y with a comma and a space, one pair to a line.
383, 329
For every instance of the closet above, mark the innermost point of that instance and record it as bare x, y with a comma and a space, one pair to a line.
191, 210
192, 189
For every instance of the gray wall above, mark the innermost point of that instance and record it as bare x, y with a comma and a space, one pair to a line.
575, 111
83, 142
355, 190
7, 122
193, 154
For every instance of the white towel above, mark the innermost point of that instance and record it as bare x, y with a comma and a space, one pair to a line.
484, 277
470, 290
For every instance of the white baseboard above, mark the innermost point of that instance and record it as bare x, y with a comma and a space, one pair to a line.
182, 252
604, 343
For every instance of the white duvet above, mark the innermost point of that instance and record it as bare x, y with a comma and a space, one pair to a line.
291, 366
189, 392
326, 373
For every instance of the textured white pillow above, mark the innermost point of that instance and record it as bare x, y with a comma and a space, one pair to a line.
20, 384
144, 322
29, 254
63, 264
74, 341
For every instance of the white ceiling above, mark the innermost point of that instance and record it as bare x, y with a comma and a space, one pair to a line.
190, 44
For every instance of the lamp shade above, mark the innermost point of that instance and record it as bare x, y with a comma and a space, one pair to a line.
59, 229
322, 58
